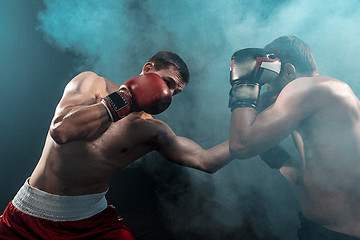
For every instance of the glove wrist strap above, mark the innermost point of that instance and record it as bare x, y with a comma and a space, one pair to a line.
116, 105
244, 95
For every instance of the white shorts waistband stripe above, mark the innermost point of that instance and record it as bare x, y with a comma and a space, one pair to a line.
41, 204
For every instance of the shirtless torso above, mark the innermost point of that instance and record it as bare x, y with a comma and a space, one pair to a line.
323, 115
329, 145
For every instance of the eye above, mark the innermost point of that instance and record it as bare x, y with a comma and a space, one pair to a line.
167, 83
170, 83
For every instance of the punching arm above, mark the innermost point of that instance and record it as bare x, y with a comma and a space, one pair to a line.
186, 152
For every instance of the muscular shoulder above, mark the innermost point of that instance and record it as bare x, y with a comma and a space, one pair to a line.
326, 89
301, 98
334, 87
143, 122
312, 89
157, 127
311, 94
316, 85
304, 85
85, 81
147, 130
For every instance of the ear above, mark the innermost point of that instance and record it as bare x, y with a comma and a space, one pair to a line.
146, 68
290, 71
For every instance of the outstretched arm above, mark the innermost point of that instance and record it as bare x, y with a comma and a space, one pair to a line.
186, 152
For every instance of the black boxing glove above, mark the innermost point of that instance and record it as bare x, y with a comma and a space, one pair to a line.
250, 68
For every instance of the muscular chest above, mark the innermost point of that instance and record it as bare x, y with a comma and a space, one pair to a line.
125, 141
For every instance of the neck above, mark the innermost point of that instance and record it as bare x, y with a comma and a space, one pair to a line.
313, 74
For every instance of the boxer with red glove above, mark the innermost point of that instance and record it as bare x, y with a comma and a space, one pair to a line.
147, 92
251, 68
65, 194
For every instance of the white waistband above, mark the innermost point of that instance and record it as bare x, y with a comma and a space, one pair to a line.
41, 204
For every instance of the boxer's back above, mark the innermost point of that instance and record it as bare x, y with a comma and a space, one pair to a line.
331, 158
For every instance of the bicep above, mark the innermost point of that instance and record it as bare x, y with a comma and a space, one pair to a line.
167, 143
294, 104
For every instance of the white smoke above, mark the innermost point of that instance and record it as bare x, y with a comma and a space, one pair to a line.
117, 37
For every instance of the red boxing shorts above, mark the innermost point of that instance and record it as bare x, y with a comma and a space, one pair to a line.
34, 214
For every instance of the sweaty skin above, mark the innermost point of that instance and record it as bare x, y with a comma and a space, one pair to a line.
323, 114
84, 149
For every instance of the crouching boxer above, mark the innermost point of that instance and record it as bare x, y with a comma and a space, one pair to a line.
323, 116
97, 130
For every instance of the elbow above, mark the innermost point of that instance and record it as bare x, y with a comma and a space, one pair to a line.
209, 168
240, 151
205, 167
59, 134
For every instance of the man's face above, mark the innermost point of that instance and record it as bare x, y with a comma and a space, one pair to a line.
172, 78
276, 85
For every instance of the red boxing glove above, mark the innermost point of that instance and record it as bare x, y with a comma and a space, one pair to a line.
147, 92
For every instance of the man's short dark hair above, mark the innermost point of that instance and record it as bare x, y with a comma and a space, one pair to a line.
291, 49
165, 59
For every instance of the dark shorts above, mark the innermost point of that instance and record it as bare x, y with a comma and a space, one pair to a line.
310, 230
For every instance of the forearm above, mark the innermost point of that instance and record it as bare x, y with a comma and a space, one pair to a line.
186, 152
217, 157
79, 123
240, 132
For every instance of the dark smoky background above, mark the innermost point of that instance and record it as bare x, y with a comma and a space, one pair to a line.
43, 44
